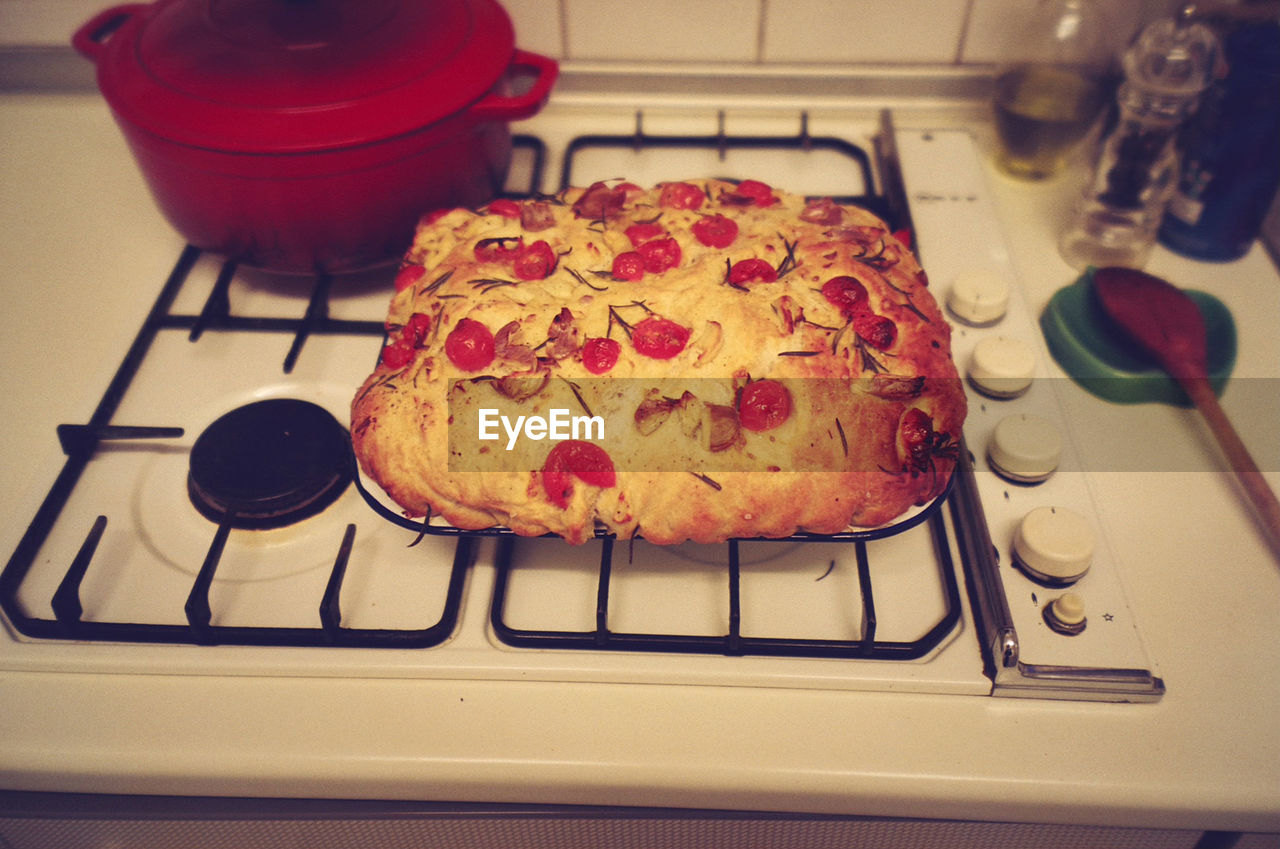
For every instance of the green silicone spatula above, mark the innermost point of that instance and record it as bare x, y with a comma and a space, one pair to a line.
1164, 321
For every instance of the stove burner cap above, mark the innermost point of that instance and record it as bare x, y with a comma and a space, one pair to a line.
269, 464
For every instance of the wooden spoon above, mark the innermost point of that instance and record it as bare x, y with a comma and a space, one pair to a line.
1163, 320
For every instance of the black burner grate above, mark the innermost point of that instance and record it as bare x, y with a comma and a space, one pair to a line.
725, 145
734, 642
81, 443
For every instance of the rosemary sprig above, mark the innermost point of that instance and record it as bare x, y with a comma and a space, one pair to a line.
909, 304
835, 341
577, 393
437, 283
803, 320
844, 443
383, 382
788, 263
583, 280
708, 481
798, 353
614, 317
488, 284
728, 271
867, 360
877, 260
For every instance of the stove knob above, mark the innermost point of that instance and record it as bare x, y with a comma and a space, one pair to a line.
1002, 367
1054, 546
1065, 614
1024, 448
979, 298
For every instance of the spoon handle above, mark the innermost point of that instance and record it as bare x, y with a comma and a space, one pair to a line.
1246, 470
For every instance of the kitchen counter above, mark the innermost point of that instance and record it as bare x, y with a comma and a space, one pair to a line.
82, 252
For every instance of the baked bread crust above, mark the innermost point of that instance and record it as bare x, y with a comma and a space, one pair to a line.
503, 308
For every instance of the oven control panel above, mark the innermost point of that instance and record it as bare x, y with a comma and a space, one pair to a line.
1070, 622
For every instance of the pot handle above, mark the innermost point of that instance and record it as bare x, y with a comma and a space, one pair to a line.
90, 40
515, 107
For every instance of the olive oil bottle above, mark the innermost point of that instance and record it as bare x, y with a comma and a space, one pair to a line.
1042, 114
1052, 85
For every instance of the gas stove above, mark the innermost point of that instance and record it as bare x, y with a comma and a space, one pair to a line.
148, 555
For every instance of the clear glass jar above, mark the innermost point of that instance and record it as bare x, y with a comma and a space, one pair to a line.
1051, 86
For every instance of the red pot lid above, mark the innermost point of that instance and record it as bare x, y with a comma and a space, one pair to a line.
288, 76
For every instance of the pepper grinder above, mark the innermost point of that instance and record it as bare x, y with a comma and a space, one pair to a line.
1166, 68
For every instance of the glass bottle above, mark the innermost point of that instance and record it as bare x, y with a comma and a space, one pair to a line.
1051, 86
1166, 68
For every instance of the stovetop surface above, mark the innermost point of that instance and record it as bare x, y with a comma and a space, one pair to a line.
130, 560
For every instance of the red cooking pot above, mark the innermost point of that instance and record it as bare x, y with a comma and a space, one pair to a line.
297, 135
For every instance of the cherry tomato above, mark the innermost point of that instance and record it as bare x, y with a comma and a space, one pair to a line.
628, 266
761, 194
878, 331
571, 459
469, 345
408, 275
534, 262
752, 271
847, 294
600, 355
681, 196
644, 232
416, 328
500, 249
659, 338
505, 207
397, 353
628, 189
916, 429
660, 254
715, 231
763, 405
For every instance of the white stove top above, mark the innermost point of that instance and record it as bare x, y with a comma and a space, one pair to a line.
153, 545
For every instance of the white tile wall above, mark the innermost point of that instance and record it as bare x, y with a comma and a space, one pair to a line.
662, 30
861, 31
736, 31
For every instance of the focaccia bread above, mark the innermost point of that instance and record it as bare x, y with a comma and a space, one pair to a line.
701, 360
